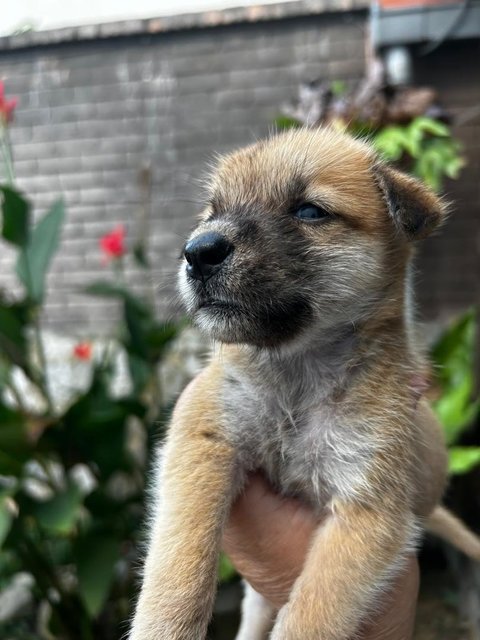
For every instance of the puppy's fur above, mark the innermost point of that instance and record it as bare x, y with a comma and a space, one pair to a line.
314, 381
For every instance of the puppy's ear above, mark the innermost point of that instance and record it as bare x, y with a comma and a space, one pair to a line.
414, 208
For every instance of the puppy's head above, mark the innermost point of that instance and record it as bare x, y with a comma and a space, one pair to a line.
302, 232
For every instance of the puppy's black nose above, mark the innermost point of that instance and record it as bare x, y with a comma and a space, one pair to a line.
205, 254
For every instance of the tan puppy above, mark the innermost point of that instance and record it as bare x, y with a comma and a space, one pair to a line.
299, 270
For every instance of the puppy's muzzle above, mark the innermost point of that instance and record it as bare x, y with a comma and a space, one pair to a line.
206, 255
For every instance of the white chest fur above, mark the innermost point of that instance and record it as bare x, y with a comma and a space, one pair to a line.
307, 443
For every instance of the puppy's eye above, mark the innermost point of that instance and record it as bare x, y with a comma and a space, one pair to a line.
311, 212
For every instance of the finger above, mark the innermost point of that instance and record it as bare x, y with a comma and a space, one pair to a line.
267, 538
261, 518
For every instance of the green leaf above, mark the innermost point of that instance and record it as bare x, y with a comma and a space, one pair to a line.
338, 88
6, 519
106, 289
10, 465
226, 570
391, 142
140, 255
138, 316
13, 339
454, 353
35, 258
96, 557
463, 459
5, 371
455, 410
455, 347
15, 446
429, 168
60, 514
16, 217
161, 335
139, 319
413, 142
140, 372
286, 122
428, 146
431, 126
454, 357
453, 165
438, 157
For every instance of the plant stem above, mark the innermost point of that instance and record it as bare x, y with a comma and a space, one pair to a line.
41, 356
7, 154
109, 349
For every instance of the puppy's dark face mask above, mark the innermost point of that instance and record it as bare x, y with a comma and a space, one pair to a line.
301, 233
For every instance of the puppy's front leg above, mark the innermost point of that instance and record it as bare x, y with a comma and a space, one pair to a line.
195, 492
353, 556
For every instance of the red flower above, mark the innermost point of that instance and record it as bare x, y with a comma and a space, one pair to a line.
82, 351
7, 107
113, 244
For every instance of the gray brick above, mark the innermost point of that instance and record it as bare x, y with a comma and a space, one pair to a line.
57, 165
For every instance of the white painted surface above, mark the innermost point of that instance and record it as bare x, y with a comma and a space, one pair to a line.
49, 14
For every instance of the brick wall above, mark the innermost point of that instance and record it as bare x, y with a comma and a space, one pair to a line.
94, 113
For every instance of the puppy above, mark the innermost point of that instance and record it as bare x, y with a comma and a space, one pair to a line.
300, 272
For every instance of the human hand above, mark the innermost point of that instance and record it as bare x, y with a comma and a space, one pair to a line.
267, 538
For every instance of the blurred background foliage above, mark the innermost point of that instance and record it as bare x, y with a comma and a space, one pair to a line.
73, 478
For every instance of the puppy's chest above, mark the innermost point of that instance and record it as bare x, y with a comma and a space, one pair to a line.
313, 450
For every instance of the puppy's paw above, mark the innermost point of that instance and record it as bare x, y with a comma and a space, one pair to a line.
292, 624
165, 614
157, 629
286, 626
